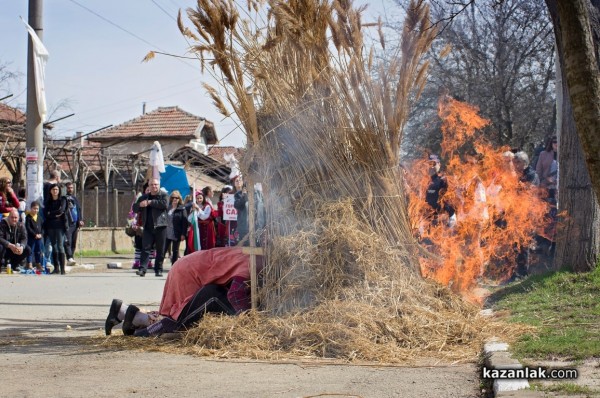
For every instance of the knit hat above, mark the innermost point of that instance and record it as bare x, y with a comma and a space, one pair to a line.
434, 158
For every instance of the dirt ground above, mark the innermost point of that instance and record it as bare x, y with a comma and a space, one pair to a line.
51, 328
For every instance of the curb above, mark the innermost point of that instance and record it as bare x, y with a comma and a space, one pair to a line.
497, 356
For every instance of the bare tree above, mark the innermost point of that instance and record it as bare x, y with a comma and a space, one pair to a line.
498, 56
580, 247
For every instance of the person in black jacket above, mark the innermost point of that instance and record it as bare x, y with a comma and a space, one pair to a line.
436, 190
74, 222
13, 240
241, 206
35, 236
152, 207
177, 224
55, 225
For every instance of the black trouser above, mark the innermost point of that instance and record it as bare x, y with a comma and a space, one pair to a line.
156, 237
71, 240
174, 245
209, 298
13, 259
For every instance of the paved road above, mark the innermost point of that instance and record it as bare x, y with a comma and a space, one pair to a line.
45, 322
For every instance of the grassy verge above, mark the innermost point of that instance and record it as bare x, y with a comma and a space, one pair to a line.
567, 389
566, 309
100, 253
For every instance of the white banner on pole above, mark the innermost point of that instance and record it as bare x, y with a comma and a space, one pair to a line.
229, 212
35, 174
40, 57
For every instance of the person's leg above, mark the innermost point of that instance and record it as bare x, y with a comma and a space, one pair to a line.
175, 249
47, 247
60, 237
10, 258
73, 237
160, 237
210, 298
130, 315
70, 244
53, 244
20, 258
30, 258
147, 241
67, 244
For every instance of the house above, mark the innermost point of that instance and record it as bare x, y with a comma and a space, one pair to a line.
171, 126
12, 135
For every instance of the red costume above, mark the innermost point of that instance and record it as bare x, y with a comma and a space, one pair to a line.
191, 272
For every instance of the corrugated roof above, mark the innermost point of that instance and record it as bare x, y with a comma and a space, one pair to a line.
163, 122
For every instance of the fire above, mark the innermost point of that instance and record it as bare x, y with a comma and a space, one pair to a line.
496, 214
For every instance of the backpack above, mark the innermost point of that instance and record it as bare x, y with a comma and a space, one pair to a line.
72, 216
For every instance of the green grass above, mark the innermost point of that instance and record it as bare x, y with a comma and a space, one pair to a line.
567, 388
565, 307
100, 253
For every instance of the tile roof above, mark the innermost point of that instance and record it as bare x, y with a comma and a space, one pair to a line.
163, 122
217, 152
11, 115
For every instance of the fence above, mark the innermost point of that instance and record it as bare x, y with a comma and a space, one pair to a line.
105, 208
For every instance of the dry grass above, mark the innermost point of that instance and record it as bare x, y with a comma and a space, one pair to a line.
341, 279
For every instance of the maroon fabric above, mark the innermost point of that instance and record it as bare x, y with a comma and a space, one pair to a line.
238, 294
8, 201
219, 266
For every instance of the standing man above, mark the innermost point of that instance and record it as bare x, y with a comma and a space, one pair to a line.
74, 222
152, 207
436, 190
13, 240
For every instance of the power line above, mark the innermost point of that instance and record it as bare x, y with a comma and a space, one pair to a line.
163, 10
115, 24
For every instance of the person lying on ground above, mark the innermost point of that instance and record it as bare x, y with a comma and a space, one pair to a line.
213, 280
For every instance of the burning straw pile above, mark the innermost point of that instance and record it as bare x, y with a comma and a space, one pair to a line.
342, 278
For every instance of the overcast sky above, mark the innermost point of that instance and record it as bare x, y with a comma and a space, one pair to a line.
95, 69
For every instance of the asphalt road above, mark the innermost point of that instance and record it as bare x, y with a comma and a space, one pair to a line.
44, 321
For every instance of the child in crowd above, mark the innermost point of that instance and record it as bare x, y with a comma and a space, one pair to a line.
35, 237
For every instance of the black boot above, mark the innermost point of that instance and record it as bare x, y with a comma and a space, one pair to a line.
61, 259
55, 262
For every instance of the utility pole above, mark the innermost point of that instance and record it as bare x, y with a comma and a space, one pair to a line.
34, 152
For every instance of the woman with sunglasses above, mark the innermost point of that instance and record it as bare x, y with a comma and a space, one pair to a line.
8, 199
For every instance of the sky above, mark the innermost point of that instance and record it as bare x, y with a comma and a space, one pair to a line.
95, 69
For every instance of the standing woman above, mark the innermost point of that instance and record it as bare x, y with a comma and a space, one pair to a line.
222, 229
194, 236
207, 216
55, 225
176, 224
241, 205
8, 199
547, 166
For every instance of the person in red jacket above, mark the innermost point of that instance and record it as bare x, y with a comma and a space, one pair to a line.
8, 199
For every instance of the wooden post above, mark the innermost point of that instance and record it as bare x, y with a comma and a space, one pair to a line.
97, 207
116, 202
252, 244
253, 140
106, 194
81, 193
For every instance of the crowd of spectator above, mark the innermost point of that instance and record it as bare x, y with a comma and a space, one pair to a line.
43, 238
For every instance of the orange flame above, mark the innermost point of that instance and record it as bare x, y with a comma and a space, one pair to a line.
496, 213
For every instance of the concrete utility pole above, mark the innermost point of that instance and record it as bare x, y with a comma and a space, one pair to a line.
34, 124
